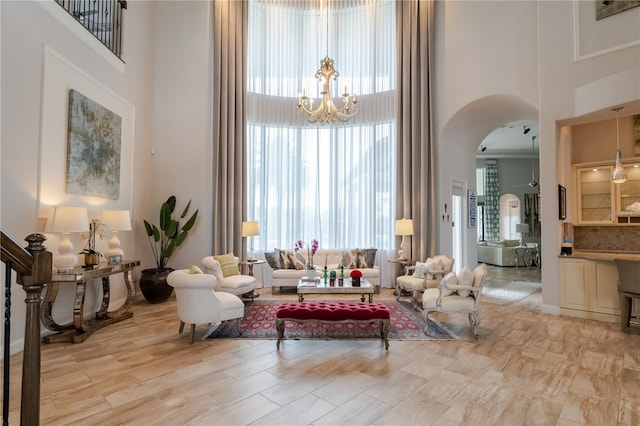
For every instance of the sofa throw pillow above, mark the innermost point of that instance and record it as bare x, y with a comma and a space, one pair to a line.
285, 260
433, 266
273, 259
369, 258
193, 269
465, 277
349, 259
297, 260
227, 264
360, 260
420, 270
450, 279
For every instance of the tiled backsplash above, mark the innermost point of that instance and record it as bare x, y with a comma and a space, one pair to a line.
607, 238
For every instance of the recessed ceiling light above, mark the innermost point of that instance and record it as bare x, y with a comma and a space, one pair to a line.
595, 170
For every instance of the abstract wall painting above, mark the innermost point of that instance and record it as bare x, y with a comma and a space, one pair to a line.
93, 149
605, 8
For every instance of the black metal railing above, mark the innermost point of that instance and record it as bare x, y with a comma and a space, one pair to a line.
103, 19
33, 267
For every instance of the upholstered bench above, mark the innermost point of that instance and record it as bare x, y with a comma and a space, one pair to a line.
332, 312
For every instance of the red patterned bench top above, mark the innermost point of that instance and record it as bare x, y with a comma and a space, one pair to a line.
333, 311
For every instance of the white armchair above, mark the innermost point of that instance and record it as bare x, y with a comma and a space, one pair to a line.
235, 284
422, 276
455, 298
198, 303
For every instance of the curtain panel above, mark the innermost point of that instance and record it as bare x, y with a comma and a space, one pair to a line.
532, 215
492, 200
415, 180
230, 18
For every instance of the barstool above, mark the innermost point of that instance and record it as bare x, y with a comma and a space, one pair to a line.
629, 288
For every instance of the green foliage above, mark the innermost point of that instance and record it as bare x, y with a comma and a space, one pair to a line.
171, 233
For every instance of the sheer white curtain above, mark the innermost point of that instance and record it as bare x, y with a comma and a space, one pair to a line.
335, 182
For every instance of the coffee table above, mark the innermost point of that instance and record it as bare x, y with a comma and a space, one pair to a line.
318, 286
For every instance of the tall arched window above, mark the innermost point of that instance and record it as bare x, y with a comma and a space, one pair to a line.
332, 182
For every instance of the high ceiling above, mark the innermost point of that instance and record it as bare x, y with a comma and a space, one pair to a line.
509, 141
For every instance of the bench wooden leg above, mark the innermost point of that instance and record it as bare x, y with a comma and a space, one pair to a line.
280, 329
384, 332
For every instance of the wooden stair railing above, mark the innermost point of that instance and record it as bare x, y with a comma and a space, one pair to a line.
33, 266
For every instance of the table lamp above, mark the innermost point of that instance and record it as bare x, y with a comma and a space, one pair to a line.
115, 220
250, 229
403, 227
522, 228
68, 219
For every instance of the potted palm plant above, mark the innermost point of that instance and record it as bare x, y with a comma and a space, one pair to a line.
164, 238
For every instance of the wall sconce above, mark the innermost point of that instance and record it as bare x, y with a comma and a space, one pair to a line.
115, 220
251, 229
66, 220
403, 227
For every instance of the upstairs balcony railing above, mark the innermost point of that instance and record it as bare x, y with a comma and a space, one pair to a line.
102, 18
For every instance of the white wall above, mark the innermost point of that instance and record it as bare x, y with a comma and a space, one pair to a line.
26, 27
486, 76
182, 133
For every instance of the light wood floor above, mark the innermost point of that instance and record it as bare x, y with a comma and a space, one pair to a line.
526, 368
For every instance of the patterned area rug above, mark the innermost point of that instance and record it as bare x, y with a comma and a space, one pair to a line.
508, 293
259, 322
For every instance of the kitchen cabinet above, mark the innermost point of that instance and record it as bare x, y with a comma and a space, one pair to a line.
595, 195
589, 289
628, 199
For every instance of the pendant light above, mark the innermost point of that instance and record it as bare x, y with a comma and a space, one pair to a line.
618, 176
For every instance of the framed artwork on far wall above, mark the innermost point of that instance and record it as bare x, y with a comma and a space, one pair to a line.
473, 208
562, 202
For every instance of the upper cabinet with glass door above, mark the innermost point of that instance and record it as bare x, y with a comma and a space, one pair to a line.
595, 195
628, 208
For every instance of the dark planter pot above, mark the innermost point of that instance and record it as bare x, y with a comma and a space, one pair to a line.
153, 284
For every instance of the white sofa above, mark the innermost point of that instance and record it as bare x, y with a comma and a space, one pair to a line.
288, 278
499, 253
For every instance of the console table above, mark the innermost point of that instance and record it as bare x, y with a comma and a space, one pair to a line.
80, 328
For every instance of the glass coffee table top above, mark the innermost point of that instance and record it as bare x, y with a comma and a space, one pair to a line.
319, 286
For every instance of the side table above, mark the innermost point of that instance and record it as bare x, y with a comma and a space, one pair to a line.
250, 265
406, 265
80, 329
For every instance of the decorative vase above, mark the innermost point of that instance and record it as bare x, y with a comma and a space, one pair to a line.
311, 273
91, 259
153, 285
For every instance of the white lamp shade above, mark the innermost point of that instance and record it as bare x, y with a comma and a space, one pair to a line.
69, 219
250, 228
116, 220
522, 228
404, 227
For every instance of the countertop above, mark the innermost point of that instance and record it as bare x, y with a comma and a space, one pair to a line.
600, 255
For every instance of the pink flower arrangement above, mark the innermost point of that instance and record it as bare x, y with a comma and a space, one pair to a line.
356, 274
312, 248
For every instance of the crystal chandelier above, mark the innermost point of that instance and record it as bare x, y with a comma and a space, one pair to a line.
327, 111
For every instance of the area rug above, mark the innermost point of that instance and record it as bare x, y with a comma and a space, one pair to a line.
259, 322
508, 293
